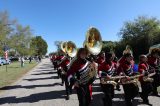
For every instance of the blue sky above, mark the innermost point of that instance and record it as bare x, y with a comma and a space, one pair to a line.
62, 20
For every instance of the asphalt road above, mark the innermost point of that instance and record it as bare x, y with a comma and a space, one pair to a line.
41, 87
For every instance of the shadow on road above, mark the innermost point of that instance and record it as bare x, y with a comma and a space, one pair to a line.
44, 73
35, 79
34, 97
45, 67
28, 86
98, 100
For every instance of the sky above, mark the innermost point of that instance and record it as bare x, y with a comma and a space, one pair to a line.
64, 20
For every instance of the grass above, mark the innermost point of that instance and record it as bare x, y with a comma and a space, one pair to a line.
14, 72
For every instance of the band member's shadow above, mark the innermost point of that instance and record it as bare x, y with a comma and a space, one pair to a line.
45, 67
43, 70
120, 101
34, 97
117, 101
44, 73
35, 79
28, 86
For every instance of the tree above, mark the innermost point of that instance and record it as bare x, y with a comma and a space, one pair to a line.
140, 34
39, 45
6, 27
21, 39
108, 46
58, 45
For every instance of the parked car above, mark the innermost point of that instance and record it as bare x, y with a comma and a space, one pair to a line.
13, 59
3, 61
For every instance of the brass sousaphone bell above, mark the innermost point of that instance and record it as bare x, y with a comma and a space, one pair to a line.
63, 46
71, 49
93, 41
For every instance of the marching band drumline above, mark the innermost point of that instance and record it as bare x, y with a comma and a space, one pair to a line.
79, 69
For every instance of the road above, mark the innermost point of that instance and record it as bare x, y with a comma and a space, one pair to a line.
41, 87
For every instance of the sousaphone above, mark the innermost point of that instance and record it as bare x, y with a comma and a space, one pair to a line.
71, 49
93, 41
63, 46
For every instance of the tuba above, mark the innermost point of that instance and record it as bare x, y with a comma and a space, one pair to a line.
89, 76
68, 48
63, 46
71, 49
93, 43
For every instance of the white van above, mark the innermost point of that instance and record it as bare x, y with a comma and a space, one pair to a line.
4, 61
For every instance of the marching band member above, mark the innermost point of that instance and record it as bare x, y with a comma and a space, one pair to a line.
107, 69
146, 86
153, 63
126, 68
64, 66
100, 58
53, 60
77, 68
115, 59
59, 59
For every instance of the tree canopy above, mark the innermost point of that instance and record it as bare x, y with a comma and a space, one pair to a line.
140, 34
17, 37
39, 45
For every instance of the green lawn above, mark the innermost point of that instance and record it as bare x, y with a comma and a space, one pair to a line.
14, 72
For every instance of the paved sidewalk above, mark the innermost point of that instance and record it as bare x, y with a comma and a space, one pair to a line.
41, 87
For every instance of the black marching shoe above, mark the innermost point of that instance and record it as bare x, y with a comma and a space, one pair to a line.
67, 97
62, 83
147, 102
118, 88
155, 94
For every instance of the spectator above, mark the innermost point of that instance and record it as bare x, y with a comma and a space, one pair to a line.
39, 58
22, 61
30, 59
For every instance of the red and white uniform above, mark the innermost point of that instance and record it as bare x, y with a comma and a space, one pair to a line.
65, 63
99, 61
59, 58
142, 68
78, 67
107, 69
53, 58
126, 67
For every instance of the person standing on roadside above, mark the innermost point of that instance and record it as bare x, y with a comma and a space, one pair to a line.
39, 58
22, 61
30, 59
